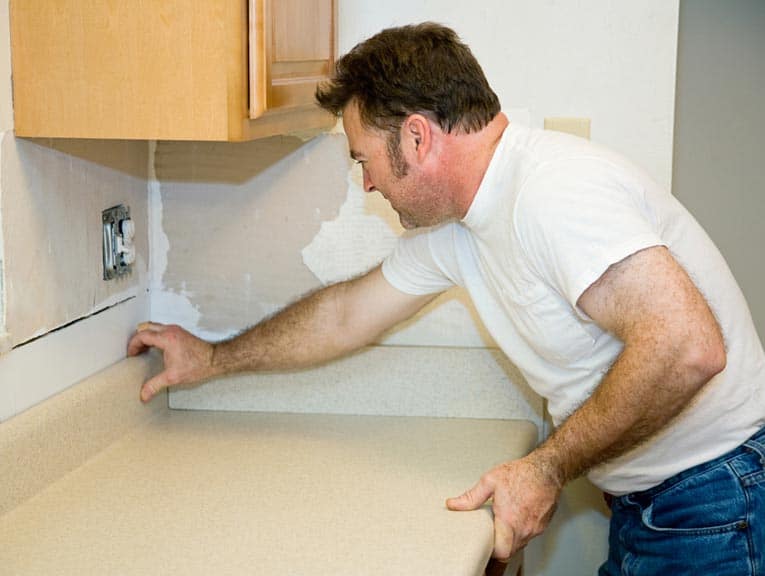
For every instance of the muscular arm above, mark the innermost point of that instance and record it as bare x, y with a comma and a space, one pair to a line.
322, 326
672, 347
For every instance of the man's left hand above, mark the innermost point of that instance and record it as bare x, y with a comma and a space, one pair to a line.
523, 502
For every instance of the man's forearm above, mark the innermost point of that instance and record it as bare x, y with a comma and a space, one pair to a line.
307, 332
672, 347
638, 397
327, 324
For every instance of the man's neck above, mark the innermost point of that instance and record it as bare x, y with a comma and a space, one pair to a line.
467, 157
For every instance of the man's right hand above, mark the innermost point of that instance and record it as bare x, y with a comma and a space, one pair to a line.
187, 358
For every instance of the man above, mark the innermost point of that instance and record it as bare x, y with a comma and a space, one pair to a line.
599, 286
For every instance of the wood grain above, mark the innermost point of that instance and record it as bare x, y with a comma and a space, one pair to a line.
159, 69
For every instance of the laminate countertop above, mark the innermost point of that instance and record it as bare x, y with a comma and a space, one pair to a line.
193, 492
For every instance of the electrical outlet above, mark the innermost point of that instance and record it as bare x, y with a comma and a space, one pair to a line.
118, 247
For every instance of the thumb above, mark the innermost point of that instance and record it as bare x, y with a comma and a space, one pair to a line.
152, 386
473, 498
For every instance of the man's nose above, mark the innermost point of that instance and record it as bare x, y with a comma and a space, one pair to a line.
368, 186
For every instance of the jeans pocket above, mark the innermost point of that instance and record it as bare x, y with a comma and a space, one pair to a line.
710, 502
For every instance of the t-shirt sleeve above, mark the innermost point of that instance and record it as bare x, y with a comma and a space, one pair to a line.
574, 225
412, 268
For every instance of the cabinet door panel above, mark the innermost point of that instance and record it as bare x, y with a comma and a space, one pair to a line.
291, 50
301, 30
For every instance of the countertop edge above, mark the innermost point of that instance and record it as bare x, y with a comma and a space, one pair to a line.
42, 444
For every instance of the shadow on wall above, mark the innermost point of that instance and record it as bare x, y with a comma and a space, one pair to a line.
221, 162
116, 155
211, 162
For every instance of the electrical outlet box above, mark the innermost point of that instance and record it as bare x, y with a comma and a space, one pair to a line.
576, 126
118, 247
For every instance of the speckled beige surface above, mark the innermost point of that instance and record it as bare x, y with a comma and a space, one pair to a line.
382, 381
252, 493
39, 446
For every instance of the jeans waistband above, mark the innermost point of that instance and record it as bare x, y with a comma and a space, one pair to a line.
755, 443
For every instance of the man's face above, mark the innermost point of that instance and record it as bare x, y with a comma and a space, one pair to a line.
386, 169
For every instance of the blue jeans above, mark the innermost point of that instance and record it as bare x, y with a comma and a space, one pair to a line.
708, 520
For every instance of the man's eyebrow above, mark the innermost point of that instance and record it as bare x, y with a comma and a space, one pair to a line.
355, 155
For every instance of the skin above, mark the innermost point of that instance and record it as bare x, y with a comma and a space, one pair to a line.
436, 186
672, 343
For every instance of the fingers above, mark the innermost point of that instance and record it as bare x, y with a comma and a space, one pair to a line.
504, 540
523, 502
142, 341
151, 326
148, 334
186, 358
152, 386
473, 498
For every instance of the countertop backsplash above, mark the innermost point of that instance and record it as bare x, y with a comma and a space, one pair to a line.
431, 381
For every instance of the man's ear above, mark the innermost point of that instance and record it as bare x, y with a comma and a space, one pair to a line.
417, 136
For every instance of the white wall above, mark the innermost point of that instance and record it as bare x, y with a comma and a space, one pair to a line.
608, 60
719, 129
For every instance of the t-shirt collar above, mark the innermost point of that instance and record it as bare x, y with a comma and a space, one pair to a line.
480, 207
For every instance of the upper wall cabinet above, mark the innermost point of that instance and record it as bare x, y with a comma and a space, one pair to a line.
169, 69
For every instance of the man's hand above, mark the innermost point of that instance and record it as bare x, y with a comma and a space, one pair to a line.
523, 501
187, 358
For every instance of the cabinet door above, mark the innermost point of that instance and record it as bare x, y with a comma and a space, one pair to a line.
291, 50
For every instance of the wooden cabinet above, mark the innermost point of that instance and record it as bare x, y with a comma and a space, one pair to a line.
169, 69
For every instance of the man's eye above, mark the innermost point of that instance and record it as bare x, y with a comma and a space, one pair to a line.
360, 162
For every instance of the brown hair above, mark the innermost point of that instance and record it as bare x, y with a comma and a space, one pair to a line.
422, 68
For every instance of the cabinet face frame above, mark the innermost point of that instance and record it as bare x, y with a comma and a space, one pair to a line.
258, 63
287, 61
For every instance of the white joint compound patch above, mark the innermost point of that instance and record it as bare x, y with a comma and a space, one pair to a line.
159, 245
359, 238
165, 306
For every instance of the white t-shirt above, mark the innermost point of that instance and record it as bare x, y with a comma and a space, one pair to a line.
553, 212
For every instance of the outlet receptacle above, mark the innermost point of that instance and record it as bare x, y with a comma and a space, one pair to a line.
118, 248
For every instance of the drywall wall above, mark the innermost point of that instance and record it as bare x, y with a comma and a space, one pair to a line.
51, 196
235, 218
719, 127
